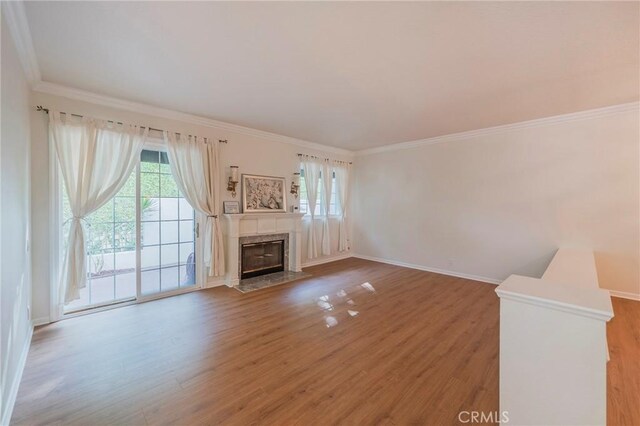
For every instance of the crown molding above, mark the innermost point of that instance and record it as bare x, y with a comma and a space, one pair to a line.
16, 19
546, 121
109, 101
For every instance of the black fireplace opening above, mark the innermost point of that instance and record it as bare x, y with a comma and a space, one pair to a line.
262, 258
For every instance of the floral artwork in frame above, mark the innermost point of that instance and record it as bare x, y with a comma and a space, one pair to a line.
263, 194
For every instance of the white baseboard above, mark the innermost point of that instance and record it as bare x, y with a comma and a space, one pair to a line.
625, 295
216, 283
430, 269
614, 293
327, 259
40, 321
17, 378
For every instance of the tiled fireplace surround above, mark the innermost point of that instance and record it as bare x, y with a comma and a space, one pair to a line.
250, 239
260, 227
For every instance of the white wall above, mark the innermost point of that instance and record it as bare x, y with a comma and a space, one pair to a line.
14, 220
502, 203
253, 155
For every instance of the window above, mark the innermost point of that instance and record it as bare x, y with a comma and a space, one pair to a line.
304, 201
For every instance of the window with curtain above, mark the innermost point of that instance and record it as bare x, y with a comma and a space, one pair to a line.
304, 202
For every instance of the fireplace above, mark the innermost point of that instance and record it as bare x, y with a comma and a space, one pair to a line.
260, 228
260, 258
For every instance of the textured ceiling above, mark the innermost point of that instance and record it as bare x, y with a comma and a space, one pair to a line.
352, 75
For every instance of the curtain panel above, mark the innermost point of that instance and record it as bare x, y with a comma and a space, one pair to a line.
311, 166
195, 165
327, 183
342, 171
96, 158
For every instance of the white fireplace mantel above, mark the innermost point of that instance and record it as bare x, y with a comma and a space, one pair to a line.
249, 224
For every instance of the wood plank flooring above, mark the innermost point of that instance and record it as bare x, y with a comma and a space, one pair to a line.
417, 350
623, 369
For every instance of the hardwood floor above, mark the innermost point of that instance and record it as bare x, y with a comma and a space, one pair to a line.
417, 350
623, 369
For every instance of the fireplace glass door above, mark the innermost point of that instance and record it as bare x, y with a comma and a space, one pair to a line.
262, 258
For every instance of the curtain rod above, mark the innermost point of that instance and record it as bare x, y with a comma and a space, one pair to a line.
46, 111
319, 158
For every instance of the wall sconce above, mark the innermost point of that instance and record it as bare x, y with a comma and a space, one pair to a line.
295, 184
233, 181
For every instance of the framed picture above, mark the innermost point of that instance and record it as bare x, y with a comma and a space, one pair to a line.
231, 207
263, 194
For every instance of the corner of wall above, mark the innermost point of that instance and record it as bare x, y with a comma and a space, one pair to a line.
15, 222
12, 394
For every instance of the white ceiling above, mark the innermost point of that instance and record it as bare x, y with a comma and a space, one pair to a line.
351, 75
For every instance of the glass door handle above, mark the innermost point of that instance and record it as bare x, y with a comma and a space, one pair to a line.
197, 230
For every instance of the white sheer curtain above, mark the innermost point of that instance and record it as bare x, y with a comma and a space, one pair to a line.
96, 157
342, 171
195, 166
327, 181
311, 168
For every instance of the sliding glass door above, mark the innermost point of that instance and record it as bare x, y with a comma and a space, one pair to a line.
167, 238
110, 238
142, 243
